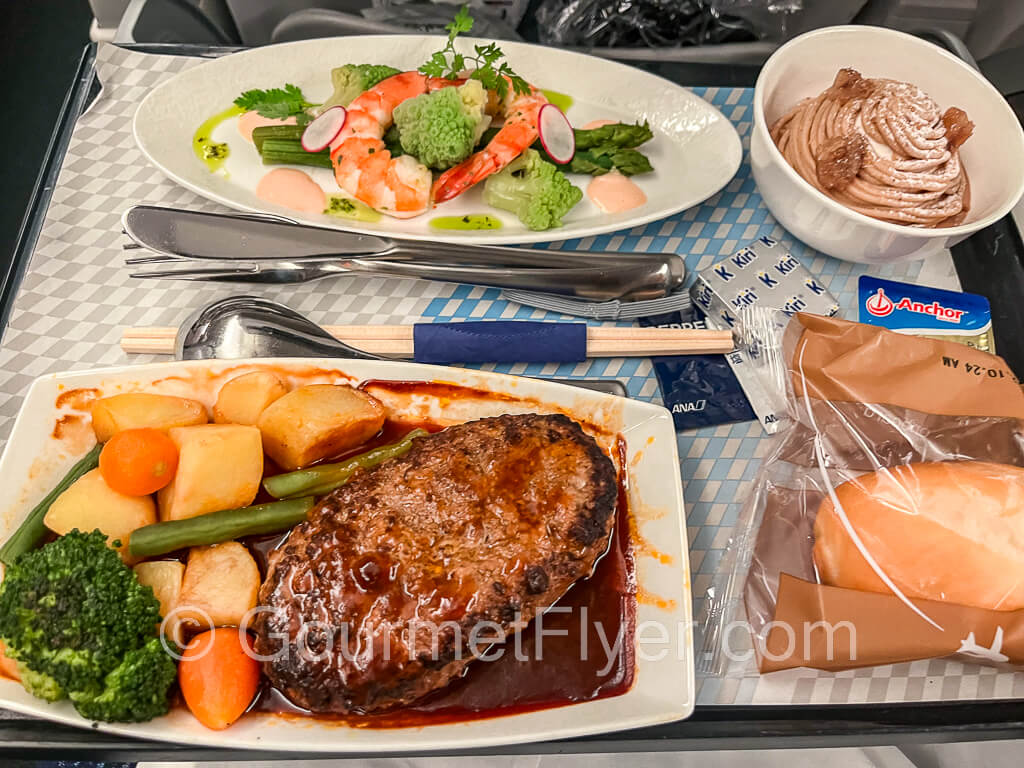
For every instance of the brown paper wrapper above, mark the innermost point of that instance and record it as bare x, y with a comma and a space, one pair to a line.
878, 399
831, 628
840, 361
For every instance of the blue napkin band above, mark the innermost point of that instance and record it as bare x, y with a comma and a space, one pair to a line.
500, 341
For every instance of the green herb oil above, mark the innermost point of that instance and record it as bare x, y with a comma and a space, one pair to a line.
211, 152
561, 100
470, 221
348, 208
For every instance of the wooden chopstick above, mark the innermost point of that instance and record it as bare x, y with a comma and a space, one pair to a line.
397, 340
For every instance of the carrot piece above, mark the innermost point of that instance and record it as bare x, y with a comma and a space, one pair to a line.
218, 676
8, 666
137, 462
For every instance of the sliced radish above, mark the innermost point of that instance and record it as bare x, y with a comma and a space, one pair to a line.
556, 134
322, 131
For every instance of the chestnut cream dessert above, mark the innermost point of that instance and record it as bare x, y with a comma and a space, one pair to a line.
882, 148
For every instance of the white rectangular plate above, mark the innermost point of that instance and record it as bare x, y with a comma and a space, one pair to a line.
663, 689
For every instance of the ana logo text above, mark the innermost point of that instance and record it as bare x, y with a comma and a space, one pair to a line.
690, 407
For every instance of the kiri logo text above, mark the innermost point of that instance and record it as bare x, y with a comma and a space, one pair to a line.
703, 295
794, 304
743, 258
786, 264
767, 279
745, 298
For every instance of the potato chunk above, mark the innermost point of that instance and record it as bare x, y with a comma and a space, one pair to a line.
318, 421
89, 503
219, 467
164, 576
220, 585
242, 399
142, 409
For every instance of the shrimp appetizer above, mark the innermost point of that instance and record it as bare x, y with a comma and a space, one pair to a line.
400, 143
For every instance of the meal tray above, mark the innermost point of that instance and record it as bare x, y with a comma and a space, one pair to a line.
66, 296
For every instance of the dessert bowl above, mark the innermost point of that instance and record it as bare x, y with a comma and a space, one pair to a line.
993, 156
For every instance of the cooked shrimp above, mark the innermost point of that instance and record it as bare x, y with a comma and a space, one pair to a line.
363, 166
514, 138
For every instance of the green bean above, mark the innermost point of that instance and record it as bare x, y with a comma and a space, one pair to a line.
294, 158
33, 530
263, 132
215, 527
322, 479
277, 151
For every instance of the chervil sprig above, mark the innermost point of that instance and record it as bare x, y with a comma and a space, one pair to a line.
487, 62
277, 103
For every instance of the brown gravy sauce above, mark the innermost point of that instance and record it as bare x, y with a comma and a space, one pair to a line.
597, 613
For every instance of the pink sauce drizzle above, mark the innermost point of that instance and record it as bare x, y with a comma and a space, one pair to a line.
615, 193
597, 124
292, 189
247, 121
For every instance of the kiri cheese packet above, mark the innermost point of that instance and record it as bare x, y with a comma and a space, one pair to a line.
763, 273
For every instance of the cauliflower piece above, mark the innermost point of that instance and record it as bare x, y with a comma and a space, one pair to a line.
535, 190
441, 128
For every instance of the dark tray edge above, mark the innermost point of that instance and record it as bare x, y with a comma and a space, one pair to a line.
997, 250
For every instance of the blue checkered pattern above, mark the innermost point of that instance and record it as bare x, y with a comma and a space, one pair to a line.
717, 463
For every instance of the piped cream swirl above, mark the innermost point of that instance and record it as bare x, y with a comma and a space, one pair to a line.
882, 148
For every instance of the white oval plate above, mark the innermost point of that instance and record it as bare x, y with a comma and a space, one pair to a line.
663, 688
695, 150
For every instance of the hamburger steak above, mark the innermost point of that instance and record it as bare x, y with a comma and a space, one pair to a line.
373, 599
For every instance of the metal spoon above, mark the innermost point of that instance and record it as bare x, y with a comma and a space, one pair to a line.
240, 327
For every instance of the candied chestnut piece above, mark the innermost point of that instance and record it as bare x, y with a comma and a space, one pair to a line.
850, 84
958, 127
839, 161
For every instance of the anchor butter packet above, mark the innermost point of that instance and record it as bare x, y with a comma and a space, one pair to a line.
763, 273
929, 312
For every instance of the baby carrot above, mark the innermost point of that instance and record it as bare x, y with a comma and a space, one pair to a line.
218, 678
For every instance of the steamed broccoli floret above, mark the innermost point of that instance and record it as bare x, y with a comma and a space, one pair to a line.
535, 190
39, 685
352, 79
440, 129
135, 690
72, 613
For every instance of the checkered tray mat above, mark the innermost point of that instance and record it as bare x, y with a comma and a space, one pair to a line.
76, 297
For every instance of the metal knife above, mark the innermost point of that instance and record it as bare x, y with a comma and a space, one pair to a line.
224, 237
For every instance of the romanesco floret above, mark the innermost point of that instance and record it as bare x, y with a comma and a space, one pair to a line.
351, 80
535, 190
441, 128
72, 614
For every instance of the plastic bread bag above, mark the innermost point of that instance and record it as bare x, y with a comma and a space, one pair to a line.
886, 523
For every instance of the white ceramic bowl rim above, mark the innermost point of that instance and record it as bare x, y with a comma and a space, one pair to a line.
901, 229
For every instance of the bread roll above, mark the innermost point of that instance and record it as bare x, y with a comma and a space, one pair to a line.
951, 531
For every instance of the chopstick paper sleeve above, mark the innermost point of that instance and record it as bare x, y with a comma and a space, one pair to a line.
500, 341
